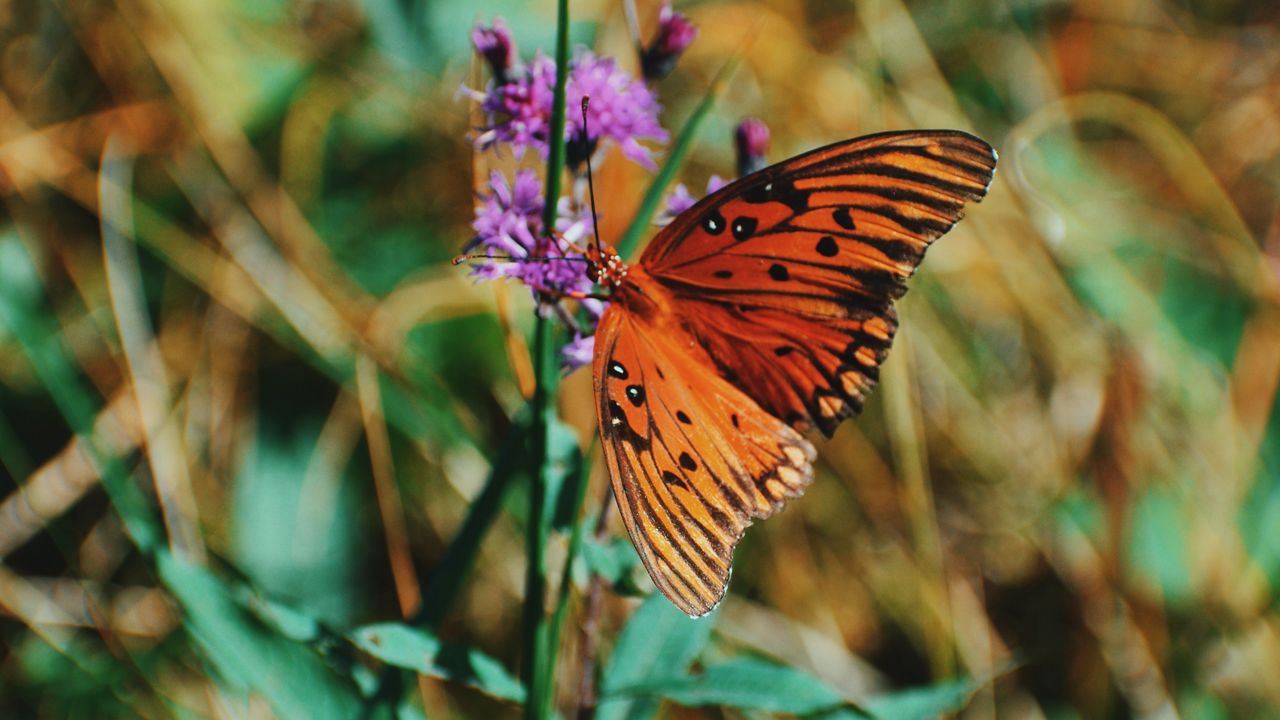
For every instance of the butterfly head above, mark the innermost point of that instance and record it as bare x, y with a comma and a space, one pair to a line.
605, 266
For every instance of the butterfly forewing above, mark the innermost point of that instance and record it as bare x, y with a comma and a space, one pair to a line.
788, 276
768, 306
906, 188
692, 459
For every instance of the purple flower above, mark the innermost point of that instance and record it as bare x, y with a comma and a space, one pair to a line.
680, 199
578, 352
508, 223
752, 141
622, 109
520, 108
518, 103
497, 47
675, 33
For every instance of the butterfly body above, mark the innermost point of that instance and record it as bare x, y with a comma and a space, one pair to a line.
762, 311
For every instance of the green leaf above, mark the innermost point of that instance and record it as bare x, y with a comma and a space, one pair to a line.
249, 657
289, 622
421, 651
611, 559
748, 684
1208, 312
24, 313
925, 702
658, 642
293, 520
1157, 544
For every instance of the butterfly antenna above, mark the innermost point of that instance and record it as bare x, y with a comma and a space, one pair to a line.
591, 186
459, 259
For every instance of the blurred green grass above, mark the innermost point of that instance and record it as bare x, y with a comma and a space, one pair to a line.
1064, 501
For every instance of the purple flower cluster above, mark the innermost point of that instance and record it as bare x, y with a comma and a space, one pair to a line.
517, 103
508, 224
622, 109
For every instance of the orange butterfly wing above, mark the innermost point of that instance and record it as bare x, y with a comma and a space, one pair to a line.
787, 277
692, 459
766, 306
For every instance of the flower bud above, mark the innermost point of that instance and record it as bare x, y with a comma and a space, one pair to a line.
497, 47
752, 141
675, 33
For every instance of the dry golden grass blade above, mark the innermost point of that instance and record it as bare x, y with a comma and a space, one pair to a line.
910, 452
34, 608
147, 125
37, 161
132, 612
291, 291
309, 118
766, 630
408, 589
158, 30
979, 647
1134, 668
65, 478
440, 295
322, 479
925, 97
147, 373
1202, 193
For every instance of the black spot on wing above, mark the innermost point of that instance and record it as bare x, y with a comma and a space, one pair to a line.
744, 227
687, 462
713, 223
671, 478
635, 393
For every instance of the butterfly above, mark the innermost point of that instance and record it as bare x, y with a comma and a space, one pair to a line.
764, 310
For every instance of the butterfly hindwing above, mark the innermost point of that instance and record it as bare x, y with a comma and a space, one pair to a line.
802, 370
692, 459
788, 276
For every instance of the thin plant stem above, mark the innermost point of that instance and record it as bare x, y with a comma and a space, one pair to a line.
539, 656
591, 621
566, 578
537, 676
556, 155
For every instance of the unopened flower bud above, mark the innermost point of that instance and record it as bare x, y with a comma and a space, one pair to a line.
675, 33
497, 47
752, 140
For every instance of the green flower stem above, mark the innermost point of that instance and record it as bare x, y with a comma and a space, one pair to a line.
566, 576
539, 655
556, 156
537, 673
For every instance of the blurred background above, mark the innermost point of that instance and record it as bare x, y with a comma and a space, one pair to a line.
246, 403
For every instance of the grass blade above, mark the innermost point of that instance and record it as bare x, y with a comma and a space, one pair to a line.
679, 151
